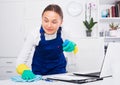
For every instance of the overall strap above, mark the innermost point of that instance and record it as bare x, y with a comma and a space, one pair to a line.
59, 32
42, 33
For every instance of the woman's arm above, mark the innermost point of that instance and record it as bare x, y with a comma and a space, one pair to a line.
27, 51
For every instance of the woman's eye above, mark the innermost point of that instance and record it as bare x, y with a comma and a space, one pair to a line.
54, 22
45, 20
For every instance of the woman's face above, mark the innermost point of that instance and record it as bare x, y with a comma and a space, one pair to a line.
51, 21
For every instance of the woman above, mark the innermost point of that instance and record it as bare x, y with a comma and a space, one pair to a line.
47, 42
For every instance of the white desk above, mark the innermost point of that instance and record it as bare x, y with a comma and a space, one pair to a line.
106, 81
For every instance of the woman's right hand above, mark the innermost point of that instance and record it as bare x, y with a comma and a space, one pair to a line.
27, 75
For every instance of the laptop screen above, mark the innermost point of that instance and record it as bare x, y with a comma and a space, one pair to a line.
89, 57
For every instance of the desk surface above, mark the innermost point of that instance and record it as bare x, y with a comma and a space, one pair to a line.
105, 81
41, 82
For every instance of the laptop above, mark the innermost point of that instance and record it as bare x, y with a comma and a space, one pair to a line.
78, 77
105, 68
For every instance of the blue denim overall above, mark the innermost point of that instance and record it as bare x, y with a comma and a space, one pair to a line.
48, 57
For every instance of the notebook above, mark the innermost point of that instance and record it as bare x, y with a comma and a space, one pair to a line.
71, 78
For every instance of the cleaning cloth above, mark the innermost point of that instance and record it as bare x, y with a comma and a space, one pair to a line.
19, 79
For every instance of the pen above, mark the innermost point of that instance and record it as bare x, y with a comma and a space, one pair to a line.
48, 80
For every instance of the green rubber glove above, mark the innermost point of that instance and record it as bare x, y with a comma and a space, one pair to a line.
27, 75
68, 46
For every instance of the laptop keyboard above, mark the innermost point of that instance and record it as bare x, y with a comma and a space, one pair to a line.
95, 74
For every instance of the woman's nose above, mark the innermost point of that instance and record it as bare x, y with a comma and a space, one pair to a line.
49, 24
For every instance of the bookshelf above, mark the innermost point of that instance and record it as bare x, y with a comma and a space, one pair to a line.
107, 15
111, 19
110, 10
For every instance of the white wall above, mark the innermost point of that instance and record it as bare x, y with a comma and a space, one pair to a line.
11, 27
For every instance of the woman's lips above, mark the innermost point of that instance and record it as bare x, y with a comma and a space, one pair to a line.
49, 30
